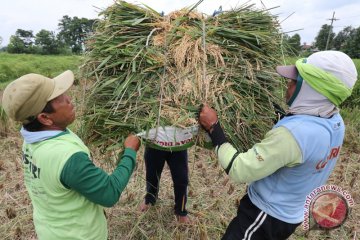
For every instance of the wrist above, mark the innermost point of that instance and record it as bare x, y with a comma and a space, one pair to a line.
212, 126
217, 135
130, 150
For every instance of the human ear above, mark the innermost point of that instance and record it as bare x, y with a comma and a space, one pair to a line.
44, 119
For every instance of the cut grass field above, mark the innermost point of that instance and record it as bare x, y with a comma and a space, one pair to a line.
212, 201
13, 66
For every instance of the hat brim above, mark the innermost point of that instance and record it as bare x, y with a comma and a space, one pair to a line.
289, 71
62, 83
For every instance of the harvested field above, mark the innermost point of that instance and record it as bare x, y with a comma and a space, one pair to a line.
212, 197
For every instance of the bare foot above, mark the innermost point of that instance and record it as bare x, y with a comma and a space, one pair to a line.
144, 207
183, 219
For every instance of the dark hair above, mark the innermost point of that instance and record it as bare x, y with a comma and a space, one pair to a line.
35, 125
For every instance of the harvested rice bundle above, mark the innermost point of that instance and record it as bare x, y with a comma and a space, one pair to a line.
154, 70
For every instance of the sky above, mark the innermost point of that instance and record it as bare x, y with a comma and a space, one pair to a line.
304, 17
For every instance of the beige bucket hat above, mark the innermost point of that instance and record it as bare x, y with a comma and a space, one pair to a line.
26, 97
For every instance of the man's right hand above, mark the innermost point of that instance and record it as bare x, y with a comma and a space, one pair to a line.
207, 117
133, 142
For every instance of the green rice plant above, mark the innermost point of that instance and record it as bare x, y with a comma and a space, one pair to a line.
152, 70
351, 118
354, 100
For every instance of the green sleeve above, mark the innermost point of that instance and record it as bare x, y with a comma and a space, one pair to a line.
81, 175
278, 149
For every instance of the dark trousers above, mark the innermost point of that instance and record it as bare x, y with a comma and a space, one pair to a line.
178, 164
252, 223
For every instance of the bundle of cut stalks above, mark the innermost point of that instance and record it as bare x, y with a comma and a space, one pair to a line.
152, 70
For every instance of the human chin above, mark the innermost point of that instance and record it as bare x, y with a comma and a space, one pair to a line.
287, 97
72, 117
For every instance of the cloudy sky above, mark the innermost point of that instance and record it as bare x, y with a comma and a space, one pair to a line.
306, 15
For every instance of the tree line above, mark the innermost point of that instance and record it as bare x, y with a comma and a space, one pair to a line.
70, 39
74, 31
347, 41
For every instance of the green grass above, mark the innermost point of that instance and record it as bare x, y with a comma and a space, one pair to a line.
357, 64
351, 118
13, 66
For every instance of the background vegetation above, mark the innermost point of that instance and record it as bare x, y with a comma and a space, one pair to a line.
70, 39
74, 31
13, 66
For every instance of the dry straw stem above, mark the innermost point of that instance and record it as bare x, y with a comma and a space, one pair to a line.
152, 70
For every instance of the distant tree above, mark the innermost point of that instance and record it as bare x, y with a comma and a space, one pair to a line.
342, 37
295, 43
21, 42
285, 41
292, 44
352, 44
285, 37
26, 36
47, 42
16, 45
321, 38
1, 40
74, 31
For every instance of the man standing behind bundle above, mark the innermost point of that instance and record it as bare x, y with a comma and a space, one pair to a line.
178, 163
68, 192
167, 144
296, 156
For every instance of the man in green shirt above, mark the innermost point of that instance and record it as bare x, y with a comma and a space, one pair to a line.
68, 192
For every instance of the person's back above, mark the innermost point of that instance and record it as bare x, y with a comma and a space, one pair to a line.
284, 192
297, 156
